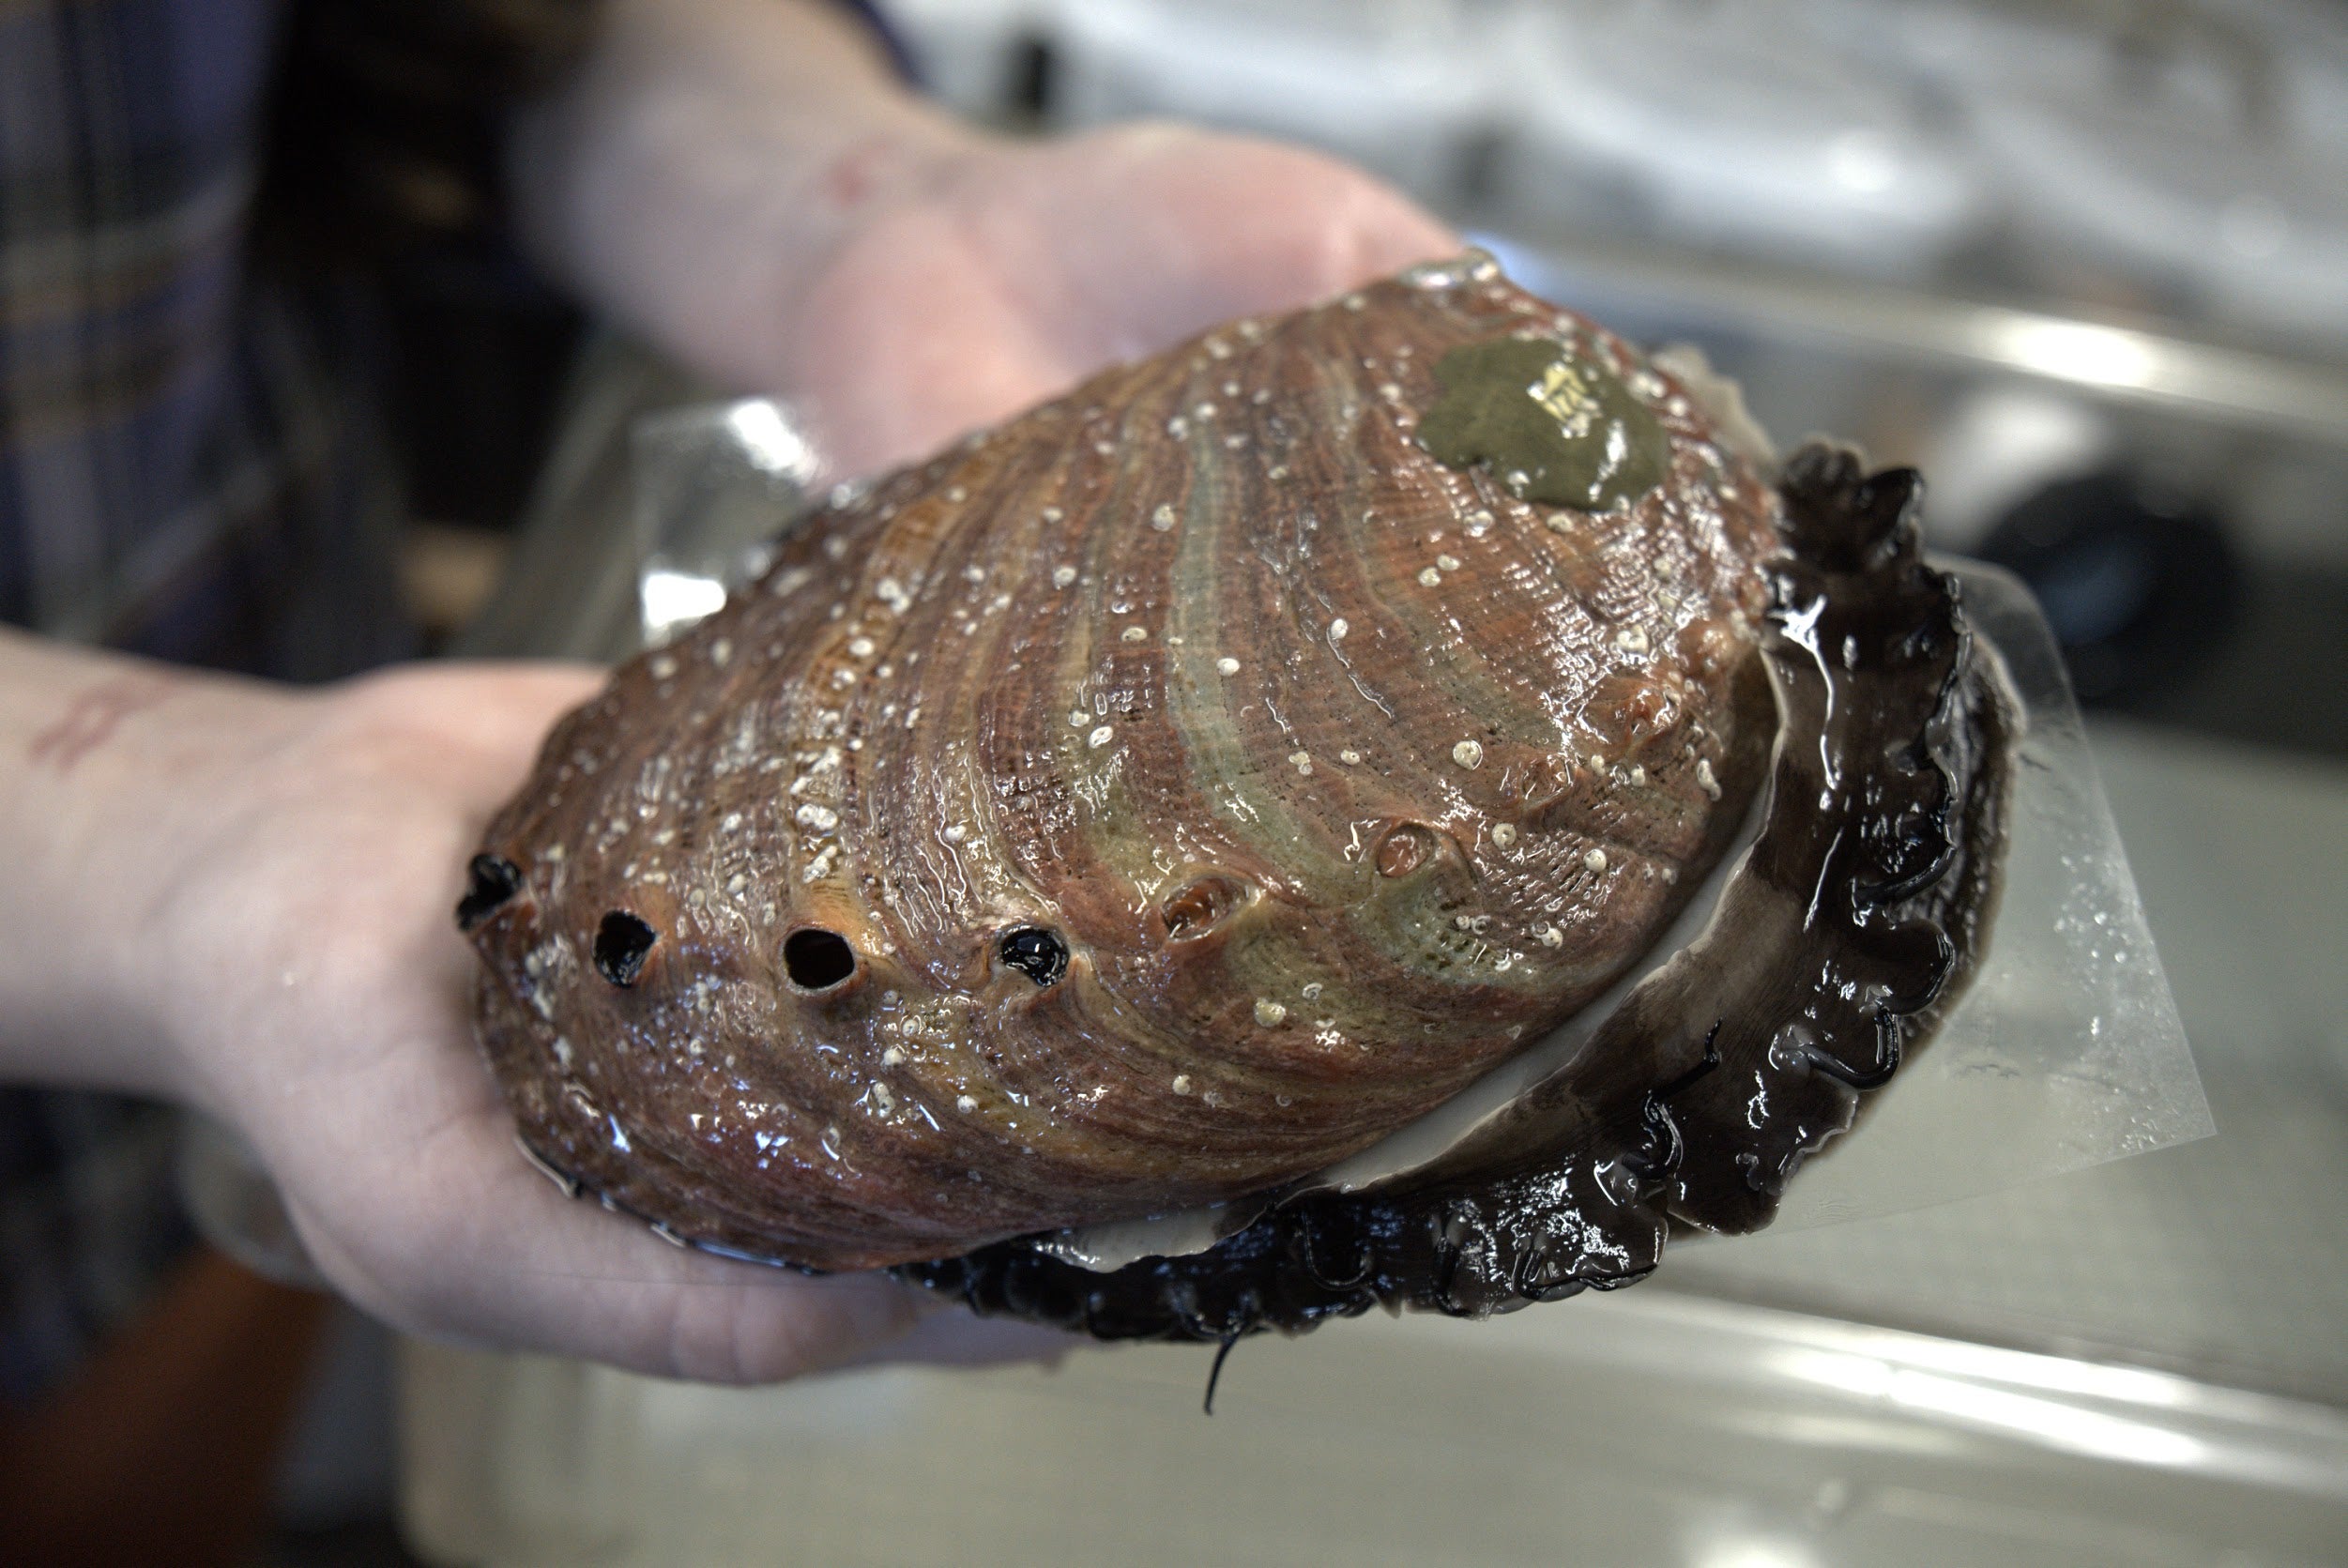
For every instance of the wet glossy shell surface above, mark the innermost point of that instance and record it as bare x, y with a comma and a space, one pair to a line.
1141, 804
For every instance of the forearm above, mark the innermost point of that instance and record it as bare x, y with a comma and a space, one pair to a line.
110, 771
708, 159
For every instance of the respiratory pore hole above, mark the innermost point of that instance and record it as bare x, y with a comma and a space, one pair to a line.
620, 944
1035, 953
490, 880
816, 959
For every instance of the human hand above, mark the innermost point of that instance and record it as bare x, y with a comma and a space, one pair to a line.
1014, 269
316, 996
746, 184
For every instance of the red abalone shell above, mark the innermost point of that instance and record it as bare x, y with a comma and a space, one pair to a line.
1148, 802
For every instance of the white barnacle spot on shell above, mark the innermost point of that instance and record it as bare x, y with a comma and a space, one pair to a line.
955, 833
1100, 736
1448, 563
1134, 634
1228, 665
1468, 754
965, 1104
957, 495
1162, 517
860, 647
1430, 578
1204, 411
722, 652
661, 666
1337, 629
1182, 1083
1631, 639
1356, 302
1350, 757
1598, 761
1637, 776
892, 593
884, 1097
1312, 991
1053, 514
1078, 718
1063, 575
821, 818
1594, 860
1503, 835
1552, 938
892, 1056
1178, 427
1302, 761
1706, 779
1271, 1015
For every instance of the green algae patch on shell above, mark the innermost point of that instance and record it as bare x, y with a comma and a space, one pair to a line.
1142, 804
1556, 426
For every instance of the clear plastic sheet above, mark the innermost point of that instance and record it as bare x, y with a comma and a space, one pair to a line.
2065, 1052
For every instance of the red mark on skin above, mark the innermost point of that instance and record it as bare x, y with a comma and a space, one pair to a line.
92, 719
855, 173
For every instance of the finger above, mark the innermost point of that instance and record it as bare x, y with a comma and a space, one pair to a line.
952, 1334
523, 1267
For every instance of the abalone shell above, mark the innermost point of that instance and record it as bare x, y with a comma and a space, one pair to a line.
1147, 802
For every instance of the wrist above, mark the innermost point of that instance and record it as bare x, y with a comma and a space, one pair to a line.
708, 160
114, 774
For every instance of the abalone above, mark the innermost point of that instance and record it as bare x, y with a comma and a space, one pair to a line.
1152, 802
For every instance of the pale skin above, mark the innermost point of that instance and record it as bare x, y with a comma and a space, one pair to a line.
238, 895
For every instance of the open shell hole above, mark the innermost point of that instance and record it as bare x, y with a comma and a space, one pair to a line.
817, 962
623, 942
1040, 954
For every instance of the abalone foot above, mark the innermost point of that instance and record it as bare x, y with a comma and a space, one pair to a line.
1845, 933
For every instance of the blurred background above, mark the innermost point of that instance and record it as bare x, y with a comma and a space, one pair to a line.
2085, 261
